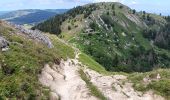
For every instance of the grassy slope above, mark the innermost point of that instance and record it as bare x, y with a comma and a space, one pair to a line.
108, 47
160, 87
92, 64
20, 66
88, 61
99, 43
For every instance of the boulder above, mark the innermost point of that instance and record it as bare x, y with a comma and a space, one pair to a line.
4, 44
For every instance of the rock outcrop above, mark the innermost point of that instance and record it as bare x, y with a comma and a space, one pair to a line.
4, 44
33, 34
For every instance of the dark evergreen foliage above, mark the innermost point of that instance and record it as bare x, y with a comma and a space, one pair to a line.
161, 37
133, 11
53, 25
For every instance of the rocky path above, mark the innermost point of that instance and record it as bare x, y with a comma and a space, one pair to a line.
66, 84
116, 87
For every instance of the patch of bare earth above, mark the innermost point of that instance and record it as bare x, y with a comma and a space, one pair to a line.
64, 82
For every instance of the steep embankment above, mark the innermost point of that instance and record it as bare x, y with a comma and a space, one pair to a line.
22, 55
117, 37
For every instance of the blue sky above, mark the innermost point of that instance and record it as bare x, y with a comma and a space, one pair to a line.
154, 6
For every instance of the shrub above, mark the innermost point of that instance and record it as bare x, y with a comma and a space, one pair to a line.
121, 7
162, 87
69, 27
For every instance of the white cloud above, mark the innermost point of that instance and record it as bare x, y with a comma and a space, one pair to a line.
107, 0
132, 2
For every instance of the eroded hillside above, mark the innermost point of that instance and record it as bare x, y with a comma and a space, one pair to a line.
22, 56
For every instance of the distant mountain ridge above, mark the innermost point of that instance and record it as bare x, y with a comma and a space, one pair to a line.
30, 16
3, 12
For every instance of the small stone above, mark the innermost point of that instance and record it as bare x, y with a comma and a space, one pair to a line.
54, 96
158, 76
5, 49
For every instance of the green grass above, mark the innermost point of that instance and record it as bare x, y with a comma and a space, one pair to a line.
92, 64
105, 46
93, 89
66, 36
21, 64
88, 61
142, 41
63, 50
158, 18
160, 87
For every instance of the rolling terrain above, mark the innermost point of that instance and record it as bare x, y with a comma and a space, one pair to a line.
30, 16
98, 51
36, 65
117, 37
22, 56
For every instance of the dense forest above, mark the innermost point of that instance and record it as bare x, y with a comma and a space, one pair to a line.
53, 25
160, 37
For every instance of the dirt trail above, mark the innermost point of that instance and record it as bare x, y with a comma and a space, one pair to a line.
116, 87
66, 84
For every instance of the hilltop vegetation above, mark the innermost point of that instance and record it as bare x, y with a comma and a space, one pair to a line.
116, 36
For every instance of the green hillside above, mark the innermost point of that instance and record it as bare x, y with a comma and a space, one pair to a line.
116, 36
21, 64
